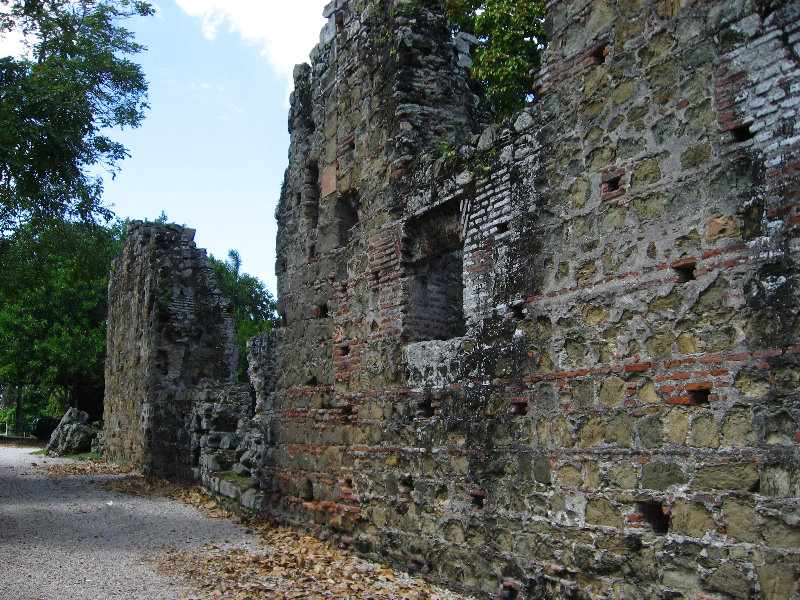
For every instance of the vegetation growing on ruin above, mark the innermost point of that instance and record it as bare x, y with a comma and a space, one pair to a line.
512, 36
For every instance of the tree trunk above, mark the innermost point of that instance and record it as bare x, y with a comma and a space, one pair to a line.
18, 425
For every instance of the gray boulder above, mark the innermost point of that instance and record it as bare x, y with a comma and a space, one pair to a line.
73, 434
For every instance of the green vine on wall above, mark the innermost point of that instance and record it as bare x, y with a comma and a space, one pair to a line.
512, 37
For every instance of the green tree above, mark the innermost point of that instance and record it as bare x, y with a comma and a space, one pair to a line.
253, 305
57, 102
512, 36
53, 310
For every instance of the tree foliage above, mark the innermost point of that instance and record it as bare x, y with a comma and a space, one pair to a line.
253, 305
57, 101
512, 36
53, 310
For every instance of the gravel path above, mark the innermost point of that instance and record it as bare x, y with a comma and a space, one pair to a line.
68, 539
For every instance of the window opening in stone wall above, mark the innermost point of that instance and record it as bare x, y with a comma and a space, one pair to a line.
653, 513
346, 215
433, 255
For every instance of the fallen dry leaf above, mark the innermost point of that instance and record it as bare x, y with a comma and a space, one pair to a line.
289, 565
83, 468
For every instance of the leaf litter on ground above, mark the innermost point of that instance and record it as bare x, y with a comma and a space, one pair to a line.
287, 565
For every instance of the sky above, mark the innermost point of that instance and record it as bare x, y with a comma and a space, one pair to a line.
213, 148
214, 144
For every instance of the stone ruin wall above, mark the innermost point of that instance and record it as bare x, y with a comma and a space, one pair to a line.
171, 392
555, 358
564, 364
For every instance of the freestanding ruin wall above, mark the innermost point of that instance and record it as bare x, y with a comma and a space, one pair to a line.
170, 348
562, 359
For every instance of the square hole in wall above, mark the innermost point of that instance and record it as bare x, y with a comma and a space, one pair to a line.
684, 269
653, 513
742, 133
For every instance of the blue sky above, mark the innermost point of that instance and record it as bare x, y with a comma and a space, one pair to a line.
213, 148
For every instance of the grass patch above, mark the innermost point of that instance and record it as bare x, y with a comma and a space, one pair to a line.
233, 477
42, 452
83, 456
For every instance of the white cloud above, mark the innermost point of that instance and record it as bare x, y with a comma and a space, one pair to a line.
285, 31
232, 112
12, 42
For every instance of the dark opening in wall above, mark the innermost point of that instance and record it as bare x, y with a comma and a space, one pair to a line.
433, 257
742, 133
684, 269
344, 350
346, 216
405, 485
516, 311
309, 206
517, 408
346, 411
509, 591
477, 499
502, 227
312, 251
612, 184
700, 396
598, 56
426, 407
320, 311
653, 513
306, 490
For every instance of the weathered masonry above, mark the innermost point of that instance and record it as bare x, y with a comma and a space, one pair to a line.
172, 402
555, 358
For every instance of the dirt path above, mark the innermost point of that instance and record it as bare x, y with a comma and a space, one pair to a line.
71, 536
65, 538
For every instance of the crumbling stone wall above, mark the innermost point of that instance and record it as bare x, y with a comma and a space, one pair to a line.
562, 359
171, 390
